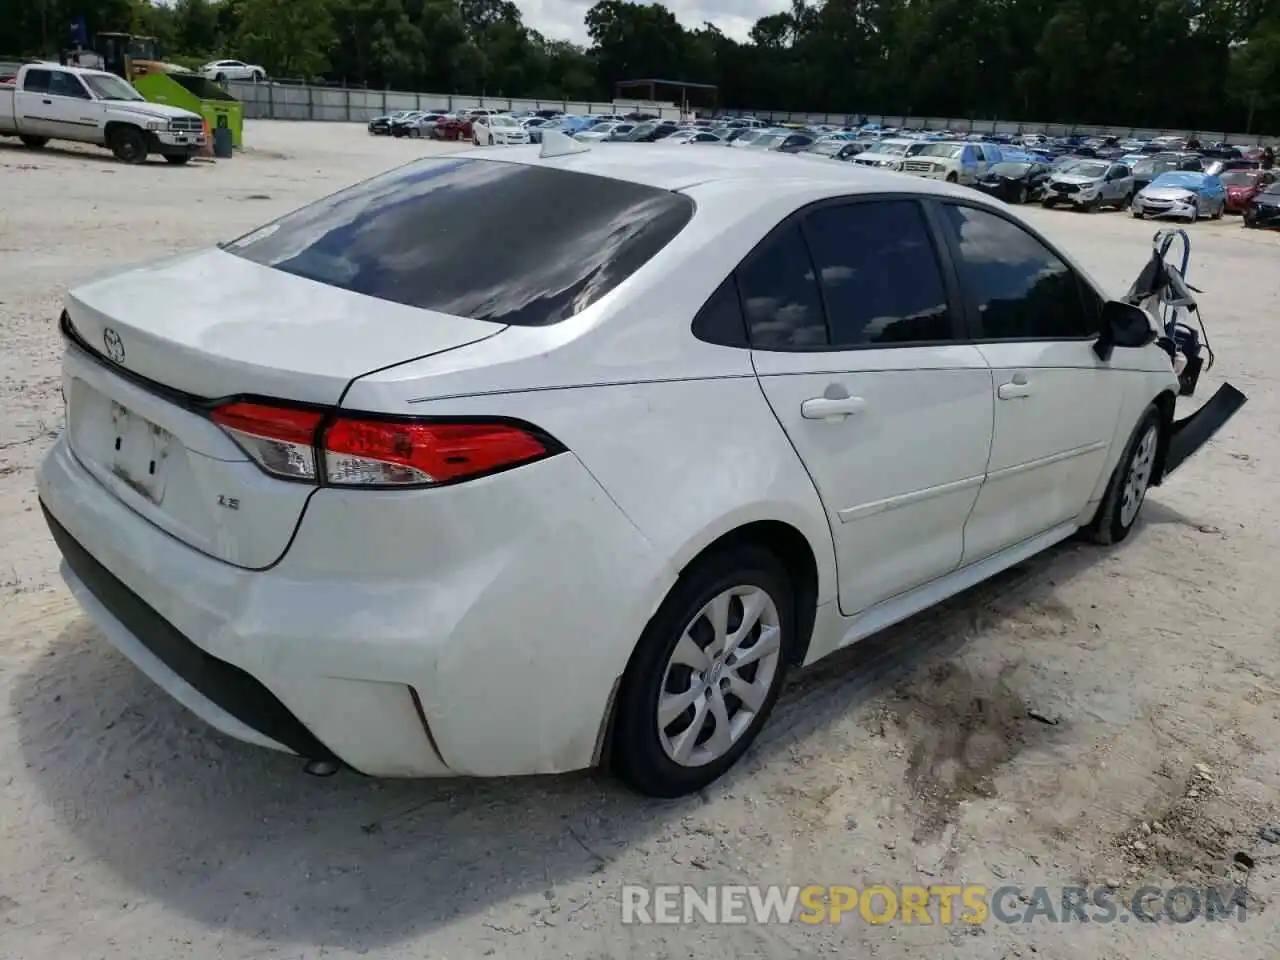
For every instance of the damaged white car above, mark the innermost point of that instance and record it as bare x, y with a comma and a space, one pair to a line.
443, 502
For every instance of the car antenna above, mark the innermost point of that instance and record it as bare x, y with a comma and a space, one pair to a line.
557, 144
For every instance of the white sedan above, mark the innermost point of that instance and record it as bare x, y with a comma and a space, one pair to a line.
498, 129
583, 489
224, 70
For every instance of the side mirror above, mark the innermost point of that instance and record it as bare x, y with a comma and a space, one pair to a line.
1123, 325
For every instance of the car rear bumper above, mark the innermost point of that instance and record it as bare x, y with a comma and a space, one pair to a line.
477, 630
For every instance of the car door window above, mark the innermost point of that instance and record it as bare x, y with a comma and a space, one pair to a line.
779, 292
36, 81
1020, 289
879, 274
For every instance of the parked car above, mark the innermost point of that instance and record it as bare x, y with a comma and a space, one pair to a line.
622, 539
889, 153
568, 125
452, 127
783, 141
381, 126
605, 130
955, 162
693, 136
1146, 171
402, 125
1089, 185
1015, 181
649, 131
1264, 209
1183, 194
51, 102
223, 70
1220, 166
1243, 185
498, 129
423, 127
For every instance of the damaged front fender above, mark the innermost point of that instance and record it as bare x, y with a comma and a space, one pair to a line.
1191, 433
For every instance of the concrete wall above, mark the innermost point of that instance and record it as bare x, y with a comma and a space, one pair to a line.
276, 101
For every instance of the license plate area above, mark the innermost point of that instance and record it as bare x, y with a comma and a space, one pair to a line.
139, 452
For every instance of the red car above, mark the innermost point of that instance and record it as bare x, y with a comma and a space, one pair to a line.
452, 128
1243, 185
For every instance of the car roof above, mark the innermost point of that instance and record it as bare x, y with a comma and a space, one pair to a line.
674, 168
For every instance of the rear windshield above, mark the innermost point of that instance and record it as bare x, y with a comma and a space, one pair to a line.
483, 239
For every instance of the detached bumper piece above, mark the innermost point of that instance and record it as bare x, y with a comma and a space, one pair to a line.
1191, 433
224, 684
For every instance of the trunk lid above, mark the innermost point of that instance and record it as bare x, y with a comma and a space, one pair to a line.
206, 326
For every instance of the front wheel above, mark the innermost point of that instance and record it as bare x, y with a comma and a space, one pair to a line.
491, 139
705, 674
1222, 208
34, 143
128, 145
1127, 490
952, 178
177, 159
221, 78
1023, 195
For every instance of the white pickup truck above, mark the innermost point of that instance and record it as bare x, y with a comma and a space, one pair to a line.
51, 102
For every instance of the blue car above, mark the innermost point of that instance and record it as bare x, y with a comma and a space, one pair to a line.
1183, 195
566, 125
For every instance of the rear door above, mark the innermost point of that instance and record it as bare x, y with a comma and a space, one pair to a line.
1057, 405
32, 105
854, 326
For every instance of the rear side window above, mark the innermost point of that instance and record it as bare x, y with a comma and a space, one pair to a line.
36, 81
879, 273
484, 239
780, 297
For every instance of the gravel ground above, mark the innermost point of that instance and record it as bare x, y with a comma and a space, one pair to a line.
130, 830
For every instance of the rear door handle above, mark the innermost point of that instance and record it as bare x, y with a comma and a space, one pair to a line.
1014, 390
829, 408
50, 102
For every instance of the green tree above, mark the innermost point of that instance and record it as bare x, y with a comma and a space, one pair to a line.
290, 38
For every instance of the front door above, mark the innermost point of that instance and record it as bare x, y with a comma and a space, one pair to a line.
74, 114
1056, 404
854, 338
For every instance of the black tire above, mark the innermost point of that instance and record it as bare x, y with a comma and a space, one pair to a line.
258, 76
1108, 525
491, 139
1023, 194
637, 755
475, 139
1139, 215
128, 144
34, 143
177, 159
220, 78
1047, 203
952, 178
1222, 208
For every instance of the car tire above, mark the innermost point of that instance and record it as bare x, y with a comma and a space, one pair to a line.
1222, 208
1195, 215
177, 159
1023, 194
257, 76
128, 144
475, 140
34, 143
643, 753
952, 178
1127, 490
1139, 215
1047, 203
220, 78
491, 139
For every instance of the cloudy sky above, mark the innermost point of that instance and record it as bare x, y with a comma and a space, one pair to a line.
562, 19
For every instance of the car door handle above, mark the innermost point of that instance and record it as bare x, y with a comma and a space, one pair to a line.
50, 102
831, 408
1014, 390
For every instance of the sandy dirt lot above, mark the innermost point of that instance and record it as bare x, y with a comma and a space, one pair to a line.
130, 830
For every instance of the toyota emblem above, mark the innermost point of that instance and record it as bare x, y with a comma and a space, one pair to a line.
115, 348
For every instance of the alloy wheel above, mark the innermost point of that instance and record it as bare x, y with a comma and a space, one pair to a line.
718, 677
1138, 477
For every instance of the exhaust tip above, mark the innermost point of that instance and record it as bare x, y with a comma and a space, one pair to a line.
320, 768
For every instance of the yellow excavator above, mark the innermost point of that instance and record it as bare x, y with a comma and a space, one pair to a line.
124, 55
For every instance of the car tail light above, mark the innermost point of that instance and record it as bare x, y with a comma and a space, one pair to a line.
281, 440
302, 444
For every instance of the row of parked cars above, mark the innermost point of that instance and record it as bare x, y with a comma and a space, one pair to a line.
1163, 177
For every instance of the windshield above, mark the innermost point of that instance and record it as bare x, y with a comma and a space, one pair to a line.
1179, 178
771, 141
1152, 168
1273, 190
421, 236
1083, 168
1240, 178
949, 150
108, 87
885, 147
1011, 169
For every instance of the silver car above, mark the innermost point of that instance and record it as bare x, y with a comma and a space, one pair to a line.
1090, 184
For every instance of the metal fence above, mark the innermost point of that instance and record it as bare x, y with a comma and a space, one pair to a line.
288, 101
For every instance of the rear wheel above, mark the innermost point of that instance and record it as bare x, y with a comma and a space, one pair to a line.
34, 143
128, 145
705, 674
1127, 490
221, 78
